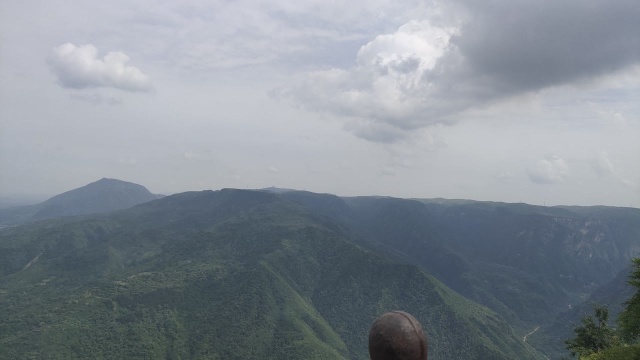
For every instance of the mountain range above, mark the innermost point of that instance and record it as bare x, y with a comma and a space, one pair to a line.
237, 274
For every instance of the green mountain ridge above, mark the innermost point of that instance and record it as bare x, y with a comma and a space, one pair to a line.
230, 274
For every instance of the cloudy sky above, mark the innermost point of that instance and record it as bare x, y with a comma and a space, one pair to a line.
506, 100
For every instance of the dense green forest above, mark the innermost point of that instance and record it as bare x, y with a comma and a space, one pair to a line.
237, 274
535, 266
220, 275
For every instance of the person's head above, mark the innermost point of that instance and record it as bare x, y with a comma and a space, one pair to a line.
397, 335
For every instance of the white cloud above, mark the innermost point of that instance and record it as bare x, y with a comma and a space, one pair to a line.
387, 171
432, 71
629, 183
389, 89
129, 161
602, 165
190, 155
550, 170
204, 51
505, 176
79, 67
201, 36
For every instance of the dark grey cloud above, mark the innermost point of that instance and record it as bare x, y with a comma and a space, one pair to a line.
527, 45
430, 71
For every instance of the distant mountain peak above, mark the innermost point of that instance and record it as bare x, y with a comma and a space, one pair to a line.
104, 195
110, 181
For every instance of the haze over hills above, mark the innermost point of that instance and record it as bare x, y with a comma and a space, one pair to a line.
7, 201
292, 274
104, 195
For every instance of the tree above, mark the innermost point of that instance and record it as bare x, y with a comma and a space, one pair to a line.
592, 336
629, 319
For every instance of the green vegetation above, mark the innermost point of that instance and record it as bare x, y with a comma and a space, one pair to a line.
220, 275
527, 263
596, 341
629, 319
593, 336
627, 352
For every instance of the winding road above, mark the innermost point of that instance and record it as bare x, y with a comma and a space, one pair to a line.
524, 338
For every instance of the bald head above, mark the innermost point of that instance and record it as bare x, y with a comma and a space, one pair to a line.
397, 335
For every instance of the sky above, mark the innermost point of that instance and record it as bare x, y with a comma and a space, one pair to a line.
530, 101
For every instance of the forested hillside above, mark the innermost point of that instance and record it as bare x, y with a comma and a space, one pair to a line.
220, 275
528, 263
289, 275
